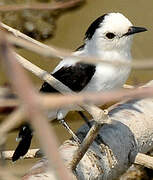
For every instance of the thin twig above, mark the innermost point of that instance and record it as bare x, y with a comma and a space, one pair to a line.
42, 74
25, 37
88, 140
141, 159
40, 6
31, 154
10, 122
127, 86
9, 102
54, 101
95, 98
144, 160
50, 51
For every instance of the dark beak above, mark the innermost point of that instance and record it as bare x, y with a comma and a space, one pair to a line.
134, 30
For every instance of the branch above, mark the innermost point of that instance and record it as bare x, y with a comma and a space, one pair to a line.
31, 154
141, 159
10, 122
144, 160
54, 101
40, 6
88, 140
22, 40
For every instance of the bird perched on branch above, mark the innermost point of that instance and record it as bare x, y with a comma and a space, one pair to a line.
109, 38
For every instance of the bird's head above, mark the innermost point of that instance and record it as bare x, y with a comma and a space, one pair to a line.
111, 32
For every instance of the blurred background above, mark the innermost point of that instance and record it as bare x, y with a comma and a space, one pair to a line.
66, 29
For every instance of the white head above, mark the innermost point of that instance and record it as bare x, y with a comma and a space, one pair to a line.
111, 32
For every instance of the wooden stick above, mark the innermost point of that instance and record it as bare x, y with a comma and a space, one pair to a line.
140, 159
51, 51
144, 160
10, 122
54, 101
40, 6
31, 154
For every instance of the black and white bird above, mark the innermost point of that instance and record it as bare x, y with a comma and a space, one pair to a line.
109, 38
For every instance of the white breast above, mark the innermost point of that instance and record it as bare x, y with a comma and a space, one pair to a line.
107, 77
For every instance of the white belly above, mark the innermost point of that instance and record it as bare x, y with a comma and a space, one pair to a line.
107, 78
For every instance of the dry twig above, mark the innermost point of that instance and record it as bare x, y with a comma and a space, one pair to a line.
144, 160
55, 101
141, 159
32, 153
10, 122
50, 51
40, 6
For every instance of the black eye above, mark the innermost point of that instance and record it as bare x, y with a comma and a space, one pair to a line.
110, 35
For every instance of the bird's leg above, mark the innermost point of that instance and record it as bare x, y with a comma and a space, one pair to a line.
85, 118
66, 126
62, 121
98, 138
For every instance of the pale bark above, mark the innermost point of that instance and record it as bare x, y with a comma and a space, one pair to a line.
31, 154
130, 132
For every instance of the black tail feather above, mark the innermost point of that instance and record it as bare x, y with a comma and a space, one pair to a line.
25, 135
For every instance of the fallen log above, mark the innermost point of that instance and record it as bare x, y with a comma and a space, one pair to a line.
115, 150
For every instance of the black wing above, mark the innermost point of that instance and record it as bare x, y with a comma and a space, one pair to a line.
75, 77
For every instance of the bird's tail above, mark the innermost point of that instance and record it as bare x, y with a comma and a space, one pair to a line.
24, 139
